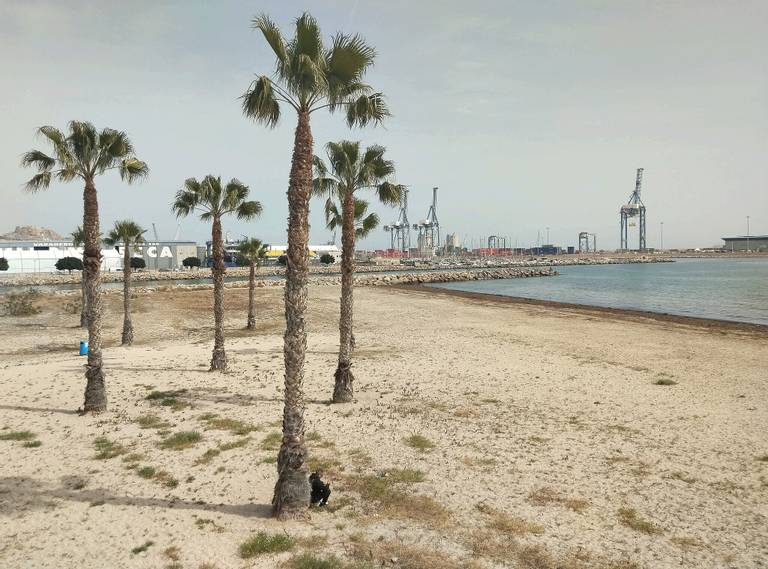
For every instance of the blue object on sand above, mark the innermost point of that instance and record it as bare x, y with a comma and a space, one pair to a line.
83, 348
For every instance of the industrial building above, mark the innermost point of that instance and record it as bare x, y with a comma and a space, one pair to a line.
757, 243
41, 256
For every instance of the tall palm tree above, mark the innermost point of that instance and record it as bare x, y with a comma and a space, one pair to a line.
253, 252
363, 227
308, 77
85, 153
213, 201
78, 239
129, 234
351, 170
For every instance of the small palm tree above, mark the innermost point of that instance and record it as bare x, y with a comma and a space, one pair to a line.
351, 170
129, 234
78, 239
85, 153
213, 201
253, 252
309, 77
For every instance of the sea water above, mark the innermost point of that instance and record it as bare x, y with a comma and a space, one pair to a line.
733, 289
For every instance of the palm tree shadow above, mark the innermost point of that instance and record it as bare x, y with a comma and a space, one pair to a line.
158, 368
214, 395
23, 492
40, 409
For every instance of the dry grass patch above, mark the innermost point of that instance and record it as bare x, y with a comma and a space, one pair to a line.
665, 381
232, 425
381, 554
310, 561
106, 449
630, 518
393, 500
478, 462
546, 496
687, 542
419, 442
272, 441
263, 543
173, 398
150, 421
181, 440
327, 465
17, 436
508, 524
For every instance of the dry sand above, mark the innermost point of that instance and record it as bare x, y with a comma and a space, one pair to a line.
553, 444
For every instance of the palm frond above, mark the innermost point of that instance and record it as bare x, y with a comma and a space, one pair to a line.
249, 210
38, 182
367, 109
83, 140
78, 236
253, 250
348, 59
113, 145
367, 225
125, 231
273, 36
39, 160
308, 40
389, 193
260, 102
59, 141
187, 199
132, 169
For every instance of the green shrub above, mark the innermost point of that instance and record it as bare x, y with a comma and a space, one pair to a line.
138, 263
327, 259
3, 264
69, 264
282, 260
191, 262
181, 440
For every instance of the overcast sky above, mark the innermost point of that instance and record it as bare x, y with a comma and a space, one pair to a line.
527, 115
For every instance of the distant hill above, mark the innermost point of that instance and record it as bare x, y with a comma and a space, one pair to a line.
31, 233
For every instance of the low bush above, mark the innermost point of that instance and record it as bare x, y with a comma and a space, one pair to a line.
69, 264
191, 262
3, 264
138, 263
21, 303
327, 259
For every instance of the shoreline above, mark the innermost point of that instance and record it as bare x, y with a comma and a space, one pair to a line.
710, 324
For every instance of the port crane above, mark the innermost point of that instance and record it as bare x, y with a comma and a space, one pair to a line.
633, 208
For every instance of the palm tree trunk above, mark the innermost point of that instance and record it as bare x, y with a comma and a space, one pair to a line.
95, 389
127, 324
342, 390
291, 499
251, 308
83, 301
219, 358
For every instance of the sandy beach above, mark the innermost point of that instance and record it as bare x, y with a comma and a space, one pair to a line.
485, 434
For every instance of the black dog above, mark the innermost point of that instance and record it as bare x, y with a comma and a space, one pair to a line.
320, 490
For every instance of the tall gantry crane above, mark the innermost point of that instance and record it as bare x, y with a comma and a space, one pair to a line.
633, 208
429, 228
400, 230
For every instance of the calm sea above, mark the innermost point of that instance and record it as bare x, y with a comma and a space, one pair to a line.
724, 289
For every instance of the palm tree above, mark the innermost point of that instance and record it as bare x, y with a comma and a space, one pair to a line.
128, 233
252, 251
308, 77
78, 238
85, 153
363, 227
213, 201
351, 170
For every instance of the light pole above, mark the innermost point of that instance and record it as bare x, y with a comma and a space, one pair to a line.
548, 243
747, 234
662, 235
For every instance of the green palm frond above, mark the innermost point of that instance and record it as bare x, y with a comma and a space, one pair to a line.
389, 193
212, 200
311, 76
260, 102
78, 236
273, 36
368, 224
127, 232
253, 250
38, 182
367, 109
83, 152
